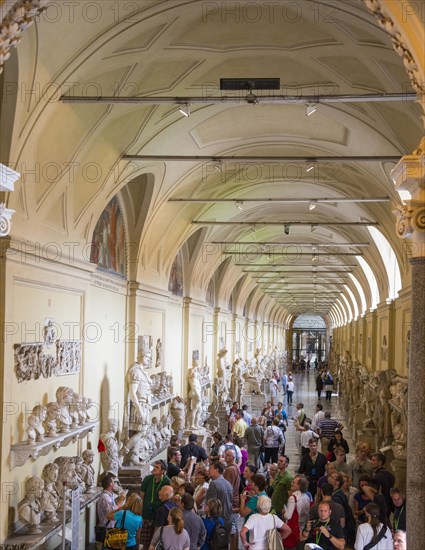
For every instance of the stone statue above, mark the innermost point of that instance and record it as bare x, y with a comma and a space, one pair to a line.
132, 450
35, 429
78, 461
50, 498
178, 412
68, 474
236, 382
87, 471
110, 457
139, 390
195, 397
52, 418
29, 508
64, 397
76, 410
222, 375
158, 358
87, 404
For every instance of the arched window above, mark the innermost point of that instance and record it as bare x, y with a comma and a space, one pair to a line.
360, 291
371, 280
390, 262
353, 299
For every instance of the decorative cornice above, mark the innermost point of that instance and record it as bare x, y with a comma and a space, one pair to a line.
5, 220
387, 23
410, 219
18, 18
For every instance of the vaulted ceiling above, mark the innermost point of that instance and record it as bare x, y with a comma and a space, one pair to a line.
72, 155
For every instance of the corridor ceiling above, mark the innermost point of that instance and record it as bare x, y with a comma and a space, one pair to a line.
302, 249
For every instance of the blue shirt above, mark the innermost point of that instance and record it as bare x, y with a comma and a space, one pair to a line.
132, 524
209, 523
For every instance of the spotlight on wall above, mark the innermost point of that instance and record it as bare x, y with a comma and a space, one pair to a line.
185, 110
312, 205
218, 166
286, 228
310, 109
310, 167
239, 205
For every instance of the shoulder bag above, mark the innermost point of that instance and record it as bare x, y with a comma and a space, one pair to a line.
294, 537
117, 536
273, 537
160, 544
380, 536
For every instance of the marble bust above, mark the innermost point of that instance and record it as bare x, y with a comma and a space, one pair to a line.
50, 498
29, 508
87, 471
64, 397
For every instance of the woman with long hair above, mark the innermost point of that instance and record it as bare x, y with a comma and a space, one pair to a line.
174, 536
132, 521
373, 531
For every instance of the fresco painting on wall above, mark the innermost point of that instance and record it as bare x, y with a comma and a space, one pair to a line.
175, 282
108, 248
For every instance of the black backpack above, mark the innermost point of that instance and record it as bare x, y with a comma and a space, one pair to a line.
219, 539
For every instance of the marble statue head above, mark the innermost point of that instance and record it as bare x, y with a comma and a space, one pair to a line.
50, 473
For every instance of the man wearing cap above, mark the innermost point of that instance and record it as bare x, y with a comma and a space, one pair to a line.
192, 449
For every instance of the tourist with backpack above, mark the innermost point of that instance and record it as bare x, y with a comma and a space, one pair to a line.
214, 525
273, 440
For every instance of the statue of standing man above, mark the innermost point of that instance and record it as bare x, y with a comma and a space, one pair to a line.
195, 397
139, 390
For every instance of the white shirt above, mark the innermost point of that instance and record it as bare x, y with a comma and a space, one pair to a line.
364, 536
237, 449
318, 417
258, 526
290, 386
303, 507
306, 436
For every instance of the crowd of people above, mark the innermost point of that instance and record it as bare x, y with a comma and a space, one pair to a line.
243, 489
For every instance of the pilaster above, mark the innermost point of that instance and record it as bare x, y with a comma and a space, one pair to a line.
409, 175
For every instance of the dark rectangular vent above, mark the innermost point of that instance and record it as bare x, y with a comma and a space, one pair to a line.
249, 83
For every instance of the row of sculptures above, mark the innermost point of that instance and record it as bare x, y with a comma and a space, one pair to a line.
375, 404
45, 494
69, 411
143, 437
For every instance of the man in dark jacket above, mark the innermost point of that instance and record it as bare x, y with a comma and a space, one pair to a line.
165, 494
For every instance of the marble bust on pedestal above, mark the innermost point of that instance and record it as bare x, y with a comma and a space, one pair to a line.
29, 509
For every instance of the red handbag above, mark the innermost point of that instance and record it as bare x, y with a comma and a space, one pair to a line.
294, 537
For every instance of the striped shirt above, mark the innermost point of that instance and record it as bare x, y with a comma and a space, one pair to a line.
328, 426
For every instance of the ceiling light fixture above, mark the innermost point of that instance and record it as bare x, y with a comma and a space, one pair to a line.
185, 110
286, 228
239, 205
309, 168
312, 205
310, 109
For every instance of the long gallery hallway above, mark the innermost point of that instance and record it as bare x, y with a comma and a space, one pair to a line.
305, 387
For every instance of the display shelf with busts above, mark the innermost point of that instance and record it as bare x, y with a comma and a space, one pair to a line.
65, 420
20, 538
21, 452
